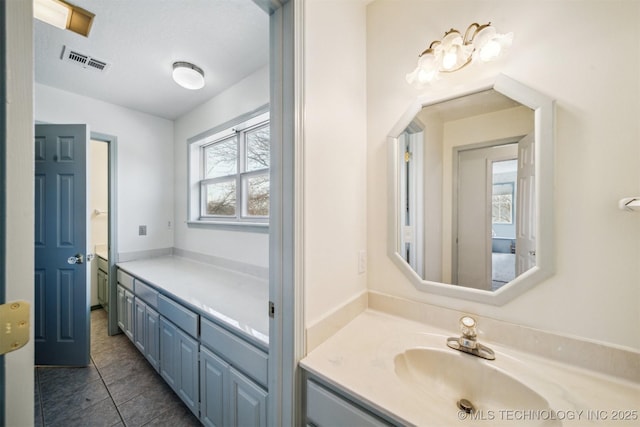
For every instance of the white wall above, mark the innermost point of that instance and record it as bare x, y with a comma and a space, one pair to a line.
584, 54
18, 392
246, 247
335, 185
144, 162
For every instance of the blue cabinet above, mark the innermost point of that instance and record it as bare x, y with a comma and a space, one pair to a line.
152, 347
139, 329
248, 401
214, 389
223, 384
232, 375
326, 408
103, 284
146, 332
125, 307
179, 363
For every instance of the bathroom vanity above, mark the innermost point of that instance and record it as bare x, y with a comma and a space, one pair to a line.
382, 369
205, 330
103, 281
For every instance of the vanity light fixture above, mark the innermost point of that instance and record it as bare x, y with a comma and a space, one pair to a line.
453, 52
187, 75
63, 15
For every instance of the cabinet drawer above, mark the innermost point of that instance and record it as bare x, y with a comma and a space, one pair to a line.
125, 280
326, 409
103, 264
238, 352
184, 318
146, 293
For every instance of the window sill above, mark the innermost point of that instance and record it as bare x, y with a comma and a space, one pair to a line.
252, 227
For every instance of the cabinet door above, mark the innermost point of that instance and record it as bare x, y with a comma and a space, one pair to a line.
121, 308
214, 390
248, 401
139, 325
188, 373
101, 289
152, 346
327, 409
129, 322
168, 344
105, 287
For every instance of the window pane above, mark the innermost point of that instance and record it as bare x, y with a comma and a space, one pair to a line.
258, 148
220, 198
221, 158
256, 195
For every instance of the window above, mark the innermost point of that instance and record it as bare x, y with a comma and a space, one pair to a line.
502, 203
229, 172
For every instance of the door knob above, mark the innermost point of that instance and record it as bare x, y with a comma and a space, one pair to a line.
76, 259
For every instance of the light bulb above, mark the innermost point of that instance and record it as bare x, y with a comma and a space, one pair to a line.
450, 59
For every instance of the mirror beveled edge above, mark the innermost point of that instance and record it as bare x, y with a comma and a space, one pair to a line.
544, 113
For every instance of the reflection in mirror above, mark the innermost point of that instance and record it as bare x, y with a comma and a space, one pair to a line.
465, 190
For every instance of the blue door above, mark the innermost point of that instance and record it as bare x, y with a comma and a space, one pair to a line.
61, 330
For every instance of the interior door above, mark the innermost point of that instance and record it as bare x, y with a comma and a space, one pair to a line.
61, 330
473, 252
525, 210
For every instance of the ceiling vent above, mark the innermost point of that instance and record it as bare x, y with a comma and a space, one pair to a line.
84, 60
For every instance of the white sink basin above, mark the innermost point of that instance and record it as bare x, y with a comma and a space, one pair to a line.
449, 376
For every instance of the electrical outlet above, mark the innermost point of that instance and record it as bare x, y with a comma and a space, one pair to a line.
169, 225
142, 230
362, 261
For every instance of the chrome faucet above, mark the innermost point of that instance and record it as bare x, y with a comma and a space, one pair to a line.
468, 342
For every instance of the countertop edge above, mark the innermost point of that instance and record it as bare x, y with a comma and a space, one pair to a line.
263, 345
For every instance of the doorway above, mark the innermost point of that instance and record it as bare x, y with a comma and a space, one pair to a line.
103, 213
484, 197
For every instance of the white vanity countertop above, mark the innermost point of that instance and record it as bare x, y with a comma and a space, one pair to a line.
359, 360
102, 254
237, 300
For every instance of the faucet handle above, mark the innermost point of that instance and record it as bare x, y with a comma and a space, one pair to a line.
468, 327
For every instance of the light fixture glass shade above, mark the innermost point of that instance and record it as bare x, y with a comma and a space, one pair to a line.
489, 44
52, 12
426, 71
454, 52
188, 75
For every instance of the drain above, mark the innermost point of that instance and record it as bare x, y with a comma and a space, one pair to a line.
465, 405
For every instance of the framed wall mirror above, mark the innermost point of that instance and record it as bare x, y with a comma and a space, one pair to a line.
471, 191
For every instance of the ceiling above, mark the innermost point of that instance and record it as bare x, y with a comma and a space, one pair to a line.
474, 104
141, 39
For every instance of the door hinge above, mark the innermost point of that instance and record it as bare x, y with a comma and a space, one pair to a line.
14, 318
272, 309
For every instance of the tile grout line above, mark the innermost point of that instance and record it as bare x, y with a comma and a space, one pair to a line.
108, 391
40, 397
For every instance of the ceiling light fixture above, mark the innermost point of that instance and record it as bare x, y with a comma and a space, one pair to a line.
188, 75
453, 52
63, 15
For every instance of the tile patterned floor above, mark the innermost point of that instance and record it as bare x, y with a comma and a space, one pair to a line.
118, 388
